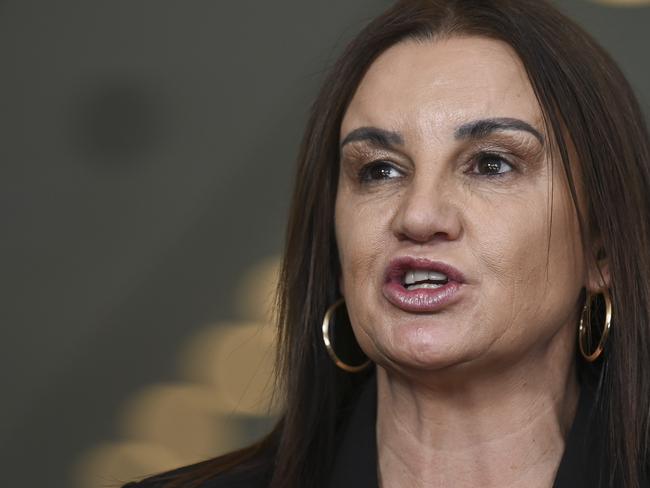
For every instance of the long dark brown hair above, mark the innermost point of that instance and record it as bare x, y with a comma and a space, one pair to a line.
586, 101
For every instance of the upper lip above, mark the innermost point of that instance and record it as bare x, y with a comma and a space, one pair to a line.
398, 267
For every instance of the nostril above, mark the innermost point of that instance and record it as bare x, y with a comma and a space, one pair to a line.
423, 237
423, 218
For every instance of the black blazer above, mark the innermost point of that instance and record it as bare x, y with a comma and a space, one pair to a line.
355, 464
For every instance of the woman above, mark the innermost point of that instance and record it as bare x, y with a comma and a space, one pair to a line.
473, 189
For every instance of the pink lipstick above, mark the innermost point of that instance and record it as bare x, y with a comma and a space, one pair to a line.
420, 285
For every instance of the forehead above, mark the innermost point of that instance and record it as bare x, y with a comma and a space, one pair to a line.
427, 88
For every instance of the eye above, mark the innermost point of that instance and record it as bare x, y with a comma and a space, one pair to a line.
378, 170
490, 164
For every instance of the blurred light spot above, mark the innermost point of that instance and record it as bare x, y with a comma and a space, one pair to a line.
113, 464
183, 418
227, 402
237, 359
256, 291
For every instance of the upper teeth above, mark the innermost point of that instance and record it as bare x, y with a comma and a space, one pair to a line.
414, 276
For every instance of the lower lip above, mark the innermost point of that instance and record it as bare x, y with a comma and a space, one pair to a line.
424, 299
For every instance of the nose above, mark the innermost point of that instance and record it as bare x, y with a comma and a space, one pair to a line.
428, 211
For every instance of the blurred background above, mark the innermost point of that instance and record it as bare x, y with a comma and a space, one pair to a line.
147, 155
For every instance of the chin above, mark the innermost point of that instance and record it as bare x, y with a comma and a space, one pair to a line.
415, 346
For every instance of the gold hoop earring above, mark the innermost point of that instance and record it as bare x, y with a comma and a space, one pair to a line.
584, 330
328, 343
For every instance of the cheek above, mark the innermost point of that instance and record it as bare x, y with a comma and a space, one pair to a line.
530, 262
508, 236
566, 269
508, 243
361, 234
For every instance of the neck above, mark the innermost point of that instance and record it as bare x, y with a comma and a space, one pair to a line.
504, 428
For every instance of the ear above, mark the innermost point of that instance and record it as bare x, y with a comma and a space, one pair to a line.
341, 288
598, 275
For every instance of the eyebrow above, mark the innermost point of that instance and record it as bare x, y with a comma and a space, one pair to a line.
476, 129
481, 128
374, 135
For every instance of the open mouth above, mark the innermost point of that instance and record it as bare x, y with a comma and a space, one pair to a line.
421, 285
419, 273
417, 279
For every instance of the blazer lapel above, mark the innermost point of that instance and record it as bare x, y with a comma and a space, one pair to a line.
355, 464
583, 461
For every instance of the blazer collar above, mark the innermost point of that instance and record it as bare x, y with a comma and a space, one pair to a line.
355, 464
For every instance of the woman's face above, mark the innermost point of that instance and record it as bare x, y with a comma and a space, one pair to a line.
458, 239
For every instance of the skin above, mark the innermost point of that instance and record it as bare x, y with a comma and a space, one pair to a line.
482, 392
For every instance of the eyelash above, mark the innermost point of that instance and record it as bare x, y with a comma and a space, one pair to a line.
491, 156
365, 176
